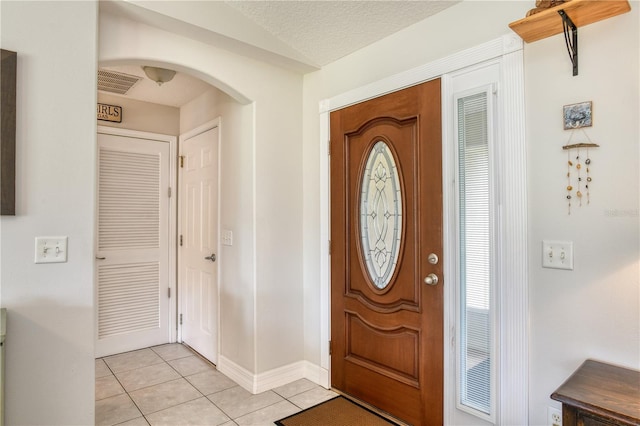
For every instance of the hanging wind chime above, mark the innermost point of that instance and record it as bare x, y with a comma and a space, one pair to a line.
579, 177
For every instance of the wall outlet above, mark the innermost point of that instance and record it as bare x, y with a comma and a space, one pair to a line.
227, 237
554, 416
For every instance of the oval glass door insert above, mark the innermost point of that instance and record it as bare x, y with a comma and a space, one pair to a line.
380, 215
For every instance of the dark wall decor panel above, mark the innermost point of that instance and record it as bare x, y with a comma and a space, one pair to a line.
8, 133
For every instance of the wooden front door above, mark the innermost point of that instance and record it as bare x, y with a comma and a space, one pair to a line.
386, 221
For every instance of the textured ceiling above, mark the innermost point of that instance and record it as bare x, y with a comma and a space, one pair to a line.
301, 35
328, 30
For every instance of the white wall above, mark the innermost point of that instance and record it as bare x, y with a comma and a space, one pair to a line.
143, 116
594, 310
280, 333
49, 346
202, 109
269, 182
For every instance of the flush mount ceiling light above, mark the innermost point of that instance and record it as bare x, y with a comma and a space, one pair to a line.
159, 75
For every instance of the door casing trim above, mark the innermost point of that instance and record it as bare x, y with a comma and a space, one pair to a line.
513, 356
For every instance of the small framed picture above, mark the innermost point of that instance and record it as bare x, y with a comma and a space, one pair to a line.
577, 115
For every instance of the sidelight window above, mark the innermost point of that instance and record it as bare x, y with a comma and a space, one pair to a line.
476, 341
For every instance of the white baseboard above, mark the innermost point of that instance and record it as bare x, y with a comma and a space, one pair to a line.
257, 383
238, 374
280, 376
317, 374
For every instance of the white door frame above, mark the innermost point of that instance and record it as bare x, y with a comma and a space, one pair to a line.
215, 123
172, 140
512, 383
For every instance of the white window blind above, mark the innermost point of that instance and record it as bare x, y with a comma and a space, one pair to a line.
475, 355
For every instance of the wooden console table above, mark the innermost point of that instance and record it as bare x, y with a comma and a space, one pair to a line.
600, 394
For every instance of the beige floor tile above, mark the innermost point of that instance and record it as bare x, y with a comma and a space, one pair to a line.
210, 382
312, 397
107, 386
294, 388
115, 410
101, 369
132, 360
172, 351
147, 376
140, 421
237, 402
198, 412
268, 415
191, 365
164, 395
166, 384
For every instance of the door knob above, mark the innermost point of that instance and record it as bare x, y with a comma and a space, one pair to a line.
431, 279
211, 258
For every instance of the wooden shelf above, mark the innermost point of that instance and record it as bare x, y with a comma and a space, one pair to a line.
582, 12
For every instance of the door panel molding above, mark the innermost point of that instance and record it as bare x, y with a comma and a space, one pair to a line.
364, 343
407, 128
389, 308
392, 298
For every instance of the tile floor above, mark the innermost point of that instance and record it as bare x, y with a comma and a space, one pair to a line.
171, 385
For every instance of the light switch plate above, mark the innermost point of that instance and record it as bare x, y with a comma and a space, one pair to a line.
557, 254
227, 237
51, 249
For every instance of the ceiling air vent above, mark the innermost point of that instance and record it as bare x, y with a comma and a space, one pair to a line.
116, 82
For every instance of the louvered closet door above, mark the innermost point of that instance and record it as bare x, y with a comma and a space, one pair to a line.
132, 244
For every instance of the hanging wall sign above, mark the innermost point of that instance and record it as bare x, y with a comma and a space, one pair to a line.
110, 113
577, 115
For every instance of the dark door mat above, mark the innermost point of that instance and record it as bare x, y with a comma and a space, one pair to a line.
338, 411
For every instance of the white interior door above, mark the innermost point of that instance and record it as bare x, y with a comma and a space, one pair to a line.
132, 252
198, 244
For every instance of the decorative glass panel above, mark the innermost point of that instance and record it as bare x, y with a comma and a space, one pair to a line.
381, 215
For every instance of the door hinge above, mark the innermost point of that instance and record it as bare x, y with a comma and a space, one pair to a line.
180, 240
330, 348
329, 247
169, 192
329, 147
169, 292
181, 161
180, 319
